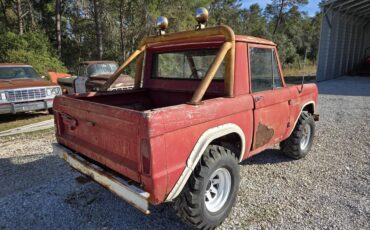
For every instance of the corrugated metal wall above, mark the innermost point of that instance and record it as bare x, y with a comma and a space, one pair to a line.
342, 44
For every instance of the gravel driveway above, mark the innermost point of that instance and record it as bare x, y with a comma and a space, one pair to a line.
327, 190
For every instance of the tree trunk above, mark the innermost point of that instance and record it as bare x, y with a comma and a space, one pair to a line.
279, 16
57, 26
99, 35
19, 15
122, 30
33, 24
3, 7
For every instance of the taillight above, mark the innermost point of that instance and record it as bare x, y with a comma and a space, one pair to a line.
145, 155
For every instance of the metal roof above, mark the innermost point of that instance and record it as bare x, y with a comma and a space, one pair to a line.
358, 8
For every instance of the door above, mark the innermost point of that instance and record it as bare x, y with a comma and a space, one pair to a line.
271, 108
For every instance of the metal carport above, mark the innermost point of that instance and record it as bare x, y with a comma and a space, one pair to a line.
345, 33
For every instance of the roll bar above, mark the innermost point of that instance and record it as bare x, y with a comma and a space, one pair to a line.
227, 52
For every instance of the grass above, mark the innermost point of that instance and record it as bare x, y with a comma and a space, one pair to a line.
10, 121
308, 70
29, 136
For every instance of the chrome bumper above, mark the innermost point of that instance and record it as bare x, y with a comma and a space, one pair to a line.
130, 193
25, 106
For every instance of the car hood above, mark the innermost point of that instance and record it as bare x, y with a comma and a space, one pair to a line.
23, 83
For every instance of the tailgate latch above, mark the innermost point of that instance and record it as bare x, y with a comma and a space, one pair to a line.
69, 120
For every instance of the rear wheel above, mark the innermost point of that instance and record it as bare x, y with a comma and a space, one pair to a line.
300, 141
210, 193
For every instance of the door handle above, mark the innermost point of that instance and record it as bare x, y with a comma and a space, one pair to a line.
258, 98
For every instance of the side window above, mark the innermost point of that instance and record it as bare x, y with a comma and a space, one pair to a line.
277, 76
261, 69
264, 69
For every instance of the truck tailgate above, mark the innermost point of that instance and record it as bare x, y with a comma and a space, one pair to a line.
106, 134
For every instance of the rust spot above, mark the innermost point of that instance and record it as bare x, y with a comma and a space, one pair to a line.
263, 135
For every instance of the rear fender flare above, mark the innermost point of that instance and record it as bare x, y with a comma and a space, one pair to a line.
206, 138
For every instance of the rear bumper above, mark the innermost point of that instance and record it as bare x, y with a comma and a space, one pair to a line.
25, 106
130, 193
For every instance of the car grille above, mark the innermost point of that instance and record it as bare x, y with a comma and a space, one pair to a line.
26, 94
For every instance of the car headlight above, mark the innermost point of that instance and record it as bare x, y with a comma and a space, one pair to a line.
48, 92
56, 91
3, 97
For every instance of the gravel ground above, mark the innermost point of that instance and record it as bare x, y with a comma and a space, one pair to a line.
329, 189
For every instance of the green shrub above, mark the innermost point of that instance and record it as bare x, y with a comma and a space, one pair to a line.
31, 48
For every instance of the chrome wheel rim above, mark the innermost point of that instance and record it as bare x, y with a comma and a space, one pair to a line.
218, 190
305, 136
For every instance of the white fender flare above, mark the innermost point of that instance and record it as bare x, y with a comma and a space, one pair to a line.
198, 150
303, 106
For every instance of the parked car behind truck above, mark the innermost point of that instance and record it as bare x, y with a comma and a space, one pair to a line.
91, 75
203, 101
22, 89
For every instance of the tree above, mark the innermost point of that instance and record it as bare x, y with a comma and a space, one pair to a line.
278, 9
58, 32
19, 16
99, 37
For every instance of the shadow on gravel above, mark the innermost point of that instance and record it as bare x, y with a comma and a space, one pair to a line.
346, 86
51, 194
269, 156
21, 173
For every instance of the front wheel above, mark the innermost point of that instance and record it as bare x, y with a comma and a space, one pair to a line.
300, 141
211, 191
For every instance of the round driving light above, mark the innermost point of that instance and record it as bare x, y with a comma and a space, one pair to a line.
161, 23
201, 15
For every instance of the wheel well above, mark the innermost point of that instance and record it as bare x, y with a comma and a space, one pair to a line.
232, 141
309, 108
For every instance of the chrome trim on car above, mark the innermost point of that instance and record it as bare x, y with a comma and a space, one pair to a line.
30, 94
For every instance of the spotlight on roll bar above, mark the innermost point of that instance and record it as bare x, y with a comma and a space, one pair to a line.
201, 15
161, 25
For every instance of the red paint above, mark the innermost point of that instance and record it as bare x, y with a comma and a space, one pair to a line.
110, 127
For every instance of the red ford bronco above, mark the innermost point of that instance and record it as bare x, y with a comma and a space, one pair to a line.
203, 101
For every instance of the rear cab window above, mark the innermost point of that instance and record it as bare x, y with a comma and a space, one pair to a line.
185, 65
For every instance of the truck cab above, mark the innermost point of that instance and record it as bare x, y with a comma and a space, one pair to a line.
202, 102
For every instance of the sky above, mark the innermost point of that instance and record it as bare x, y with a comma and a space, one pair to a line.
311, 8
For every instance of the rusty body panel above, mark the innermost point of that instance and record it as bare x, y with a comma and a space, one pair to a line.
149, 133
22, 83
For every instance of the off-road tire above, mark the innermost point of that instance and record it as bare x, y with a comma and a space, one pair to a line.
190, 205
291, 147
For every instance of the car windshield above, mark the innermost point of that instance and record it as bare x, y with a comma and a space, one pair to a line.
18, 72
192, 64
97, 69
